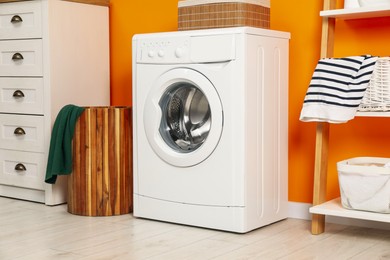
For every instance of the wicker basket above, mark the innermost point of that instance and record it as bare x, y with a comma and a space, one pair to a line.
206, 14
377, 95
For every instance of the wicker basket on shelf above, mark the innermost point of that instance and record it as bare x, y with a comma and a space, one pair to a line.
377, 95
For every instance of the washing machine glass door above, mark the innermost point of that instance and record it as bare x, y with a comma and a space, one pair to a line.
183, 117
186, 117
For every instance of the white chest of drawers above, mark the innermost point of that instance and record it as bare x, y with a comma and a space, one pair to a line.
52, 53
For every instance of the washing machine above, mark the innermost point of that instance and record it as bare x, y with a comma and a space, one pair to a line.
210, 118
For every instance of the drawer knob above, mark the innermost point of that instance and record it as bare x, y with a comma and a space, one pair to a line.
17, 56
18, 94
20, 167
16, 19
19, 131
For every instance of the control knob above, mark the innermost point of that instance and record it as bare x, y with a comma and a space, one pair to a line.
179, 52
151, 54
160, 53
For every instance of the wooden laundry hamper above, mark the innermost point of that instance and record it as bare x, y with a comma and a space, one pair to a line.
102, 180
206, 14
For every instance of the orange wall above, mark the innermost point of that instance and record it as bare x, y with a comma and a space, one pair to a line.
129, 17
360, 137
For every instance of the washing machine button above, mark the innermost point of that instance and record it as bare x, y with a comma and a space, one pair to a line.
160, 53
151, 54
179, 52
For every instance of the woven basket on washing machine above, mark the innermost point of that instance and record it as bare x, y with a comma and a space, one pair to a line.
377, 95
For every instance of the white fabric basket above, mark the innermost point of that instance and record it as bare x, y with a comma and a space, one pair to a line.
365, 184
377, 95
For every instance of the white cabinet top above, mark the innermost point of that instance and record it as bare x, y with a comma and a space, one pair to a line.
92, 2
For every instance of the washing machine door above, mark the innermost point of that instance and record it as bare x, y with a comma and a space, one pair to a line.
183, 117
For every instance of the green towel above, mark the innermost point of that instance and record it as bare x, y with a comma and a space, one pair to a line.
60, 152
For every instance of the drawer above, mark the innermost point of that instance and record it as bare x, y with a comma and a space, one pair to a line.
21, 58
22, 20
21, 95
22, 169
22, 132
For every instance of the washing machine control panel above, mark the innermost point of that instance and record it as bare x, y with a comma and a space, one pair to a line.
185, 49
164, 50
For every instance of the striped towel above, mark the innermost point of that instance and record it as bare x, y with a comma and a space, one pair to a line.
337, 88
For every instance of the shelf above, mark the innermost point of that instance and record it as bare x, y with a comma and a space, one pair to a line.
334, 208
358, 13
373, 114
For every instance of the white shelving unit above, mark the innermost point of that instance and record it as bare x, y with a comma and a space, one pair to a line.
321, 206
334, 208
358, 13
373, 114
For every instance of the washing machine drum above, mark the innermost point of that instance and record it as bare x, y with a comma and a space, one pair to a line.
189, 116
186, 117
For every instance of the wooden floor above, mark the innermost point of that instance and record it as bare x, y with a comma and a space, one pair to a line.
34, 231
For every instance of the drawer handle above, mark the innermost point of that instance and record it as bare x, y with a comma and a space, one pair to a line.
19, 131
16, 19
17, 56
18, 94
20, 167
